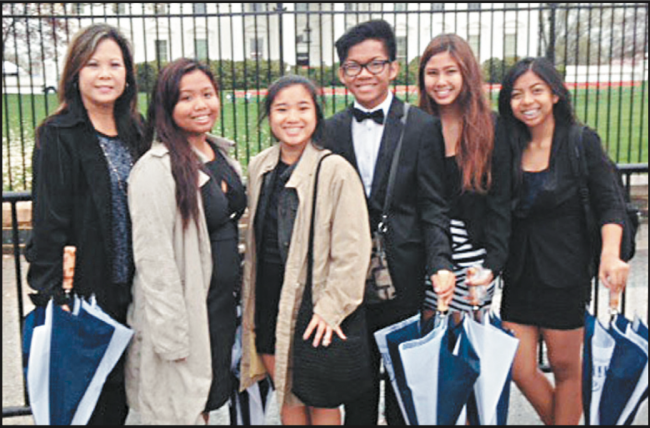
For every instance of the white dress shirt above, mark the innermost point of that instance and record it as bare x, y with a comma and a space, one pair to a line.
366, 139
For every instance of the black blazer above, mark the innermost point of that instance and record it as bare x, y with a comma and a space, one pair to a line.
418, 241
552, 233
487, 215
72, 206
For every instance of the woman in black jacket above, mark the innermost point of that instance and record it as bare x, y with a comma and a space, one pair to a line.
477, 166
83, 155
547, 277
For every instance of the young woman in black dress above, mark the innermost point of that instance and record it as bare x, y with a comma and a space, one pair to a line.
547, 276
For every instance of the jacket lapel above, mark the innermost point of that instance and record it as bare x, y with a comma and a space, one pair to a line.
95, 168
392, 131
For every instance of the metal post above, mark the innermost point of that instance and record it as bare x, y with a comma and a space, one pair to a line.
550, 49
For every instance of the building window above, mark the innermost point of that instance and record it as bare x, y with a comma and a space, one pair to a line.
474, 6
400, 42
256, 7
160, 8
350, 7
509, 47
510, 5
201, 49
161, 50
400, 7
437, 6
200, 8
257, 47
473, 42
302, 7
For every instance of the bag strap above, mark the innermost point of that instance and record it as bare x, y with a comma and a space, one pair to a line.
310, 248
382, 227
581, 173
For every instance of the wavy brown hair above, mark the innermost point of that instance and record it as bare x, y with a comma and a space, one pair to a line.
161, 126
81, 49
474, 148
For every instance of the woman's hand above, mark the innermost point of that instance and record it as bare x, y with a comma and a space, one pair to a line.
613, 272
477, 276
323, 331
444, 283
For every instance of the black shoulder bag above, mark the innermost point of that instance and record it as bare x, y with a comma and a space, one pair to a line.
379, 284
326, 377
631, 219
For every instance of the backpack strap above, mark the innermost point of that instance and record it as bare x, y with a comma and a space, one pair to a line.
578, 159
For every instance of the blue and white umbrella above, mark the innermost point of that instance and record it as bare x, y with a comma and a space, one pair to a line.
615, 371
496, 351
388, 339
433, 374
247, 407
70, 355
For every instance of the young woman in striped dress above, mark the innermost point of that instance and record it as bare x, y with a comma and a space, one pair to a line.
477, 165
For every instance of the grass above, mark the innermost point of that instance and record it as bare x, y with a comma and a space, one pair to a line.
620, 115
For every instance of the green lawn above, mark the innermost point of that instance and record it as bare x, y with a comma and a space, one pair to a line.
620, 116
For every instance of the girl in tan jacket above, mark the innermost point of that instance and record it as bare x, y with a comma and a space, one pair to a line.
280, 191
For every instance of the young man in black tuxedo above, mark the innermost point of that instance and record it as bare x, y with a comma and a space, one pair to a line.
366, 134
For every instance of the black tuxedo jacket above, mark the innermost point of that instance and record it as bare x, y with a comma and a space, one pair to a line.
418, 241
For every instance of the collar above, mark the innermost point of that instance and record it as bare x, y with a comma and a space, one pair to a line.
385, 105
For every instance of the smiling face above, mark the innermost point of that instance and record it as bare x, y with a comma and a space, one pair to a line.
293, 116
369, 89
103, 78
532, 100
198, 106
443, 80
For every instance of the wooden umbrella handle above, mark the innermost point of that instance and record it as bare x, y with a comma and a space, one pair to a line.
69, 259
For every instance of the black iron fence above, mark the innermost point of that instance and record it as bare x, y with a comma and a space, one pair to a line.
601, 48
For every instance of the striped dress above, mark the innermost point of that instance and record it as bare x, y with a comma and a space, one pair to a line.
464, 255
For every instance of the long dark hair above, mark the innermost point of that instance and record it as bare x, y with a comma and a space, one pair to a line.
161, 126
474, 149
81, 49
518, 132
292, 80
544, 69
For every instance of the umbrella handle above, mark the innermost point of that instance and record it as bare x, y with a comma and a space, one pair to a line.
614, 300
69, 259
443, 307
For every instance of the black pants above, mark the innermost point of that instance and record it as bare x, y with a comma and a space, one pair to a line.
111, 408
365, 409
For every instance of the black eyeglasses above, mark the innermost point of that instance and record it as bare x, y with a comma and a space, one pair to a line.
353, 69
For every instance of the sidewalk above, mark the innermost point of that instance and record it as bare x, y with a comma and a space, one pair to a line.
521, 412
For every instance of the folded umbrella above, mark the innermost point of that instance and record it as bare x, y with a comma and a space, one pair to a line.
69, 357
388, 340
247, 407
496, 351
615, 373
440, 371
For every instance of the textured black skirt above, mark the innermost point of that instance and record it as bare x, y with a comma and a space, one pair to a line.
528, 301
268, 288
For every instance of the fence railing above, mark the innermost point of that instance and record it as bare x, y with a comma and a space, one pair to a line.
13, 198
601, 48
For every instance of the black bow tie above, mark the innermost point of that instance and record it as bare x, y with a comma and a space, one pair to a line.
377, 115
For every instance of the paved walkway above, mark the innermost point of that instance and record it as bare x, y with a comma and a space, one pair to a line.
521, 412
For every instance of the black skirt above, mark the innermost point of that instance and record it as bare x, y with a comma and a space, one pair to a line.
529, 301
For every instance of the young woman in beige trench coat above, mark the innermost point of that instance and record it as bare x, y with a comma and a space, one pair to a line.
342, 245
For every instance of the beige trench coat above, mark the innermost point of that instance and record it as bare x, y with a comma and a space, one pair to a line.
170, 288
342, 246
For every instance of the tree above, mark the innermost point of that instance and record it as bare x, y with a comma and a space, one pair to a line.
591, 34
26, 40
